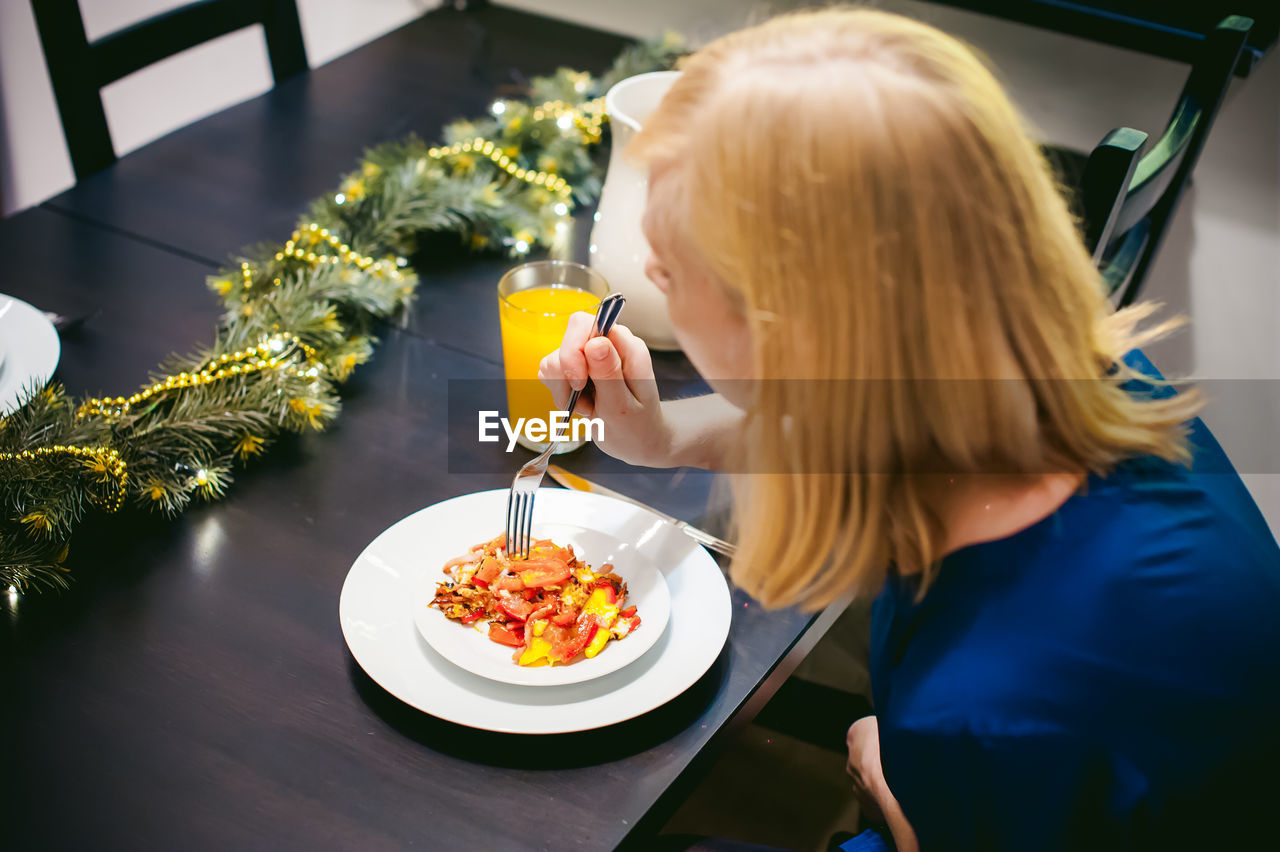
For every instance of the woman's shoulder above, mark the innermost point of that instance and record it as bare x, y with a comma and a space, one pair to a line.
1142, 607
1153, 585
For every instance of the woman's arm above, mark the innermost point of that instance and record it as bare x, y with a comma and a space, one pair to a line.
863, 741
639, 428
702, 430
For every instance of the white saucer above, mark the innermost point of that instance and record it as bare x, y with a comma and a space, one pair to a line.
29, 350
467, 647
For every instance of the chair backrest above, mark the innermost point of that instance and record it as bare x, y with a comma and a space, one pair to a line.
79, 68
1131, 233
1104, 184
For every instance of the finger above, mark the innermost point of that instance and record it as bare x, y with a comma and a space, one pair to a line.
637, 364
613, 397
572, 360
551, 374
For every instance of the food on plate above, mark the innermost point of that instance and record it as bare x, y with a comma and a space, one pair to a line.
551, 608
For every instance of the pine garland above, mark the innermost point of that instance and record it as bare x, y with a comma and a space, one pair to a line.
300, 317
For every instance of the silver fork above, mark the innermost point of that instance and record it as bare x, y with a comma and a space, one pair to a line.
525, 486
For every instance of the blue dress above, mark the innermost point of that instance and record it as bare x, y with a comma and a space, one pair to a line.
1108, 678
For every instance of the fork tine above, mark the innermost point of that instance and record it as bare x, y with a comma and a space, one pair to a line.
526, 523
511, 527
513, 548
517, 527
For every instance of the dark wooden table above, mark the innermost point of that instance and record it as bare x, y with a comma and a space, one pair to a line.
193, 690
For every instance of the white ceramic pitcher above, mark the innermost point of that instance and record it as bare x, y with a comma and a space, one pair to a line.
618, 248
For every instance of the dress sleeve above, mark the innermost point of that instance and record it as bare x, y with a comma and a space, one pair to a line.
1042, 791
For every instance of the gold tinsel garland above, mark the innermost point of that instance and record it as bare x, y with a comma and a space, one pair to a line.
483, 146
103, 462
269, 355
299, 318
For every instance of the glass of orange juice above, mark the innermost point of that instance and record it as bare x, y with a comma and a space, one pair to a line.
534, 303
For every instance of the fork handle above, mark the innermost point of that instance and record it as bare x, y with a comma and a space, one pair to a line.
606, 315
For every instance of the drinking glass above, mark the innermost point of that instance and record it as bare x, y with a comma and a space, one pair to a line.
534, 303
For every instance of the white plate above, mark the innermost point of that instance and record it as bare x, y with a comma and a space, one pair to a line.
466, 646
30, 351
378, 623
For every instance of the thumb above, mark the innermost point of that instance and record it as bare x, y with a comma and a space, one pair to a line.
604, 365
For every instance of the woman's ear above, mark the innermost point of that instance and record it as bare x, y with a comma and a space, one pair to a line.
657, 274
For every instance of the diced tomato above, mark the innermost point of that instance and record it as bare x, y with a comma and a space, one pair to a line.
628, 612
624, 626
567, 643
536, 573
505, 634
538, 563
510, 584
565, 617
545, 548
518, 608
475, 616
529, 594
487, 573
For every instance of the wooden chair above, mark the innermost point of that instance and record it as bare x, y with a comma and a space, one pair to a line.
1104, 183
1129, 201
79, 68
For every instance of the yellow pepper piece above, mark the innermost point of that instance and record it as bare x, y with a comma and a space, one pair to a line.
597, 643
598, 604
537, 654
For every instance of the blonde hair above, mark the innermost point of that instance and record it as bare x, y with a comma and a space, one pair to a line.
865, 189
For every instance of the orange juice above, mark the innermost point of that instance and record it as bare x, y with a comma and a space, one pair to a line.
533, 323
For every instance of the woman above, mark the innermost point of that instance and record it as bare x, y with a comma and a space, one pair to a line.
923, 393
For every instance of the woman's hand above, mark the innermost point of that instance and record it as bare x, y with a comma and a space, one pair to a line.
877, 802
625, 396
